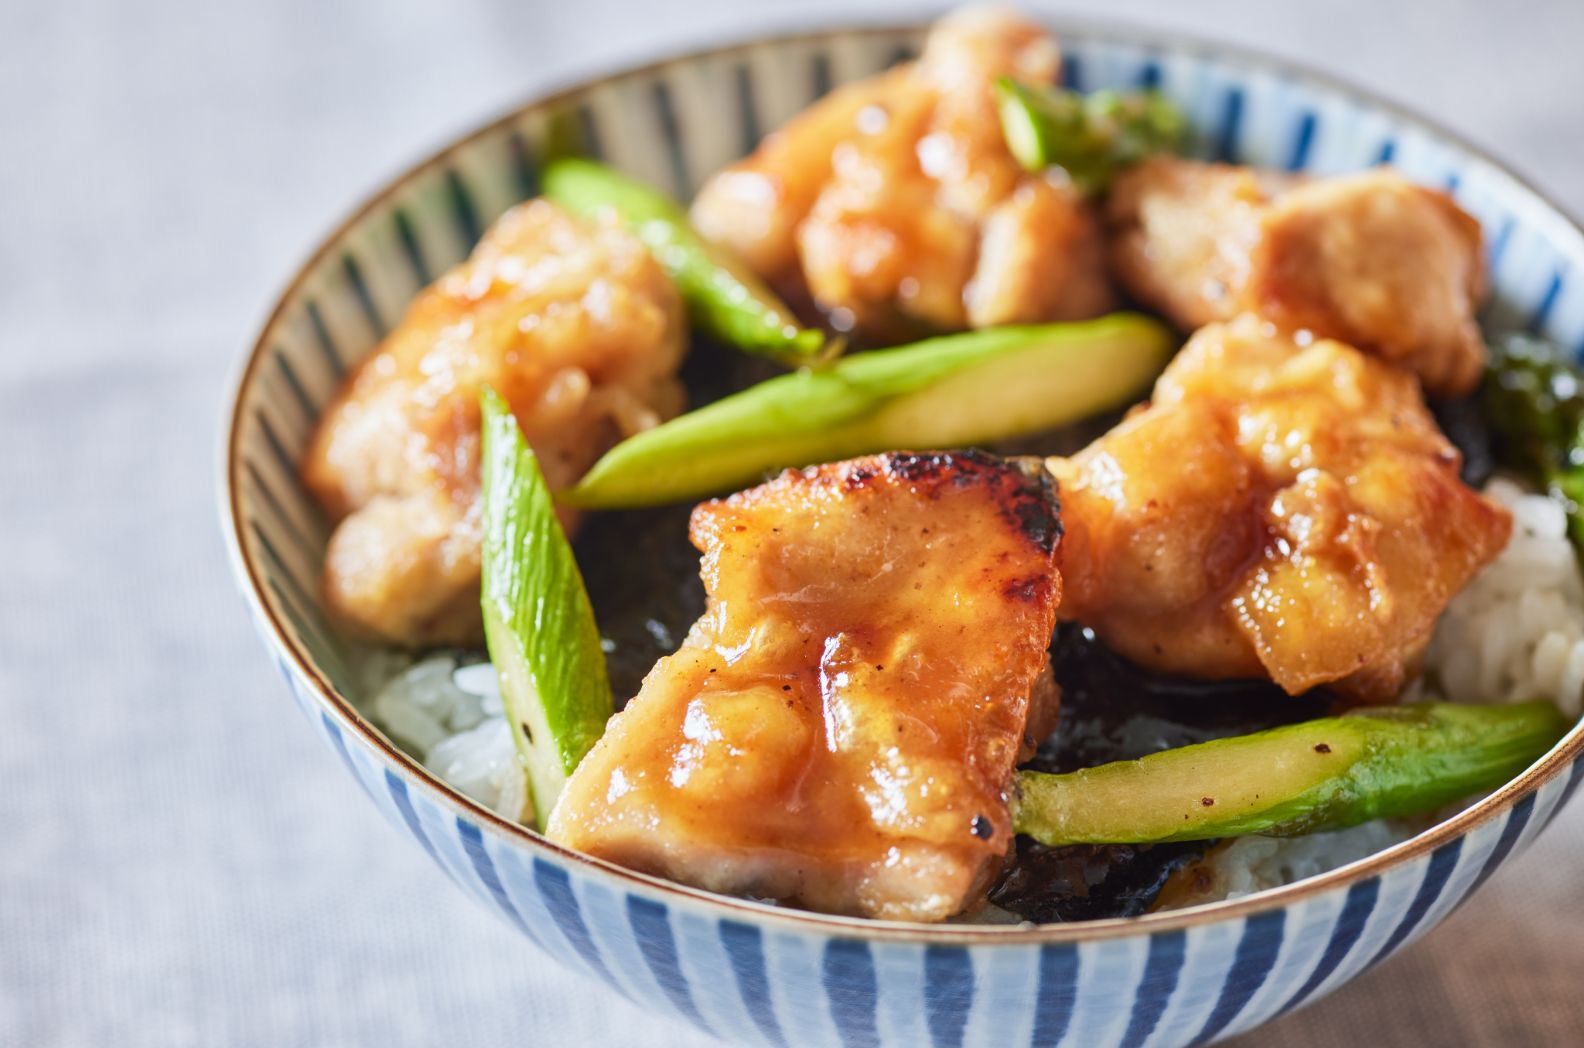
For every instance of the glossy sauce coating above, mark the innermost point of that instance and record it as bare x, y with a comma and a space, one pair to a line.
1277, 510
573, 323
838, 729
1369, 259
895, 203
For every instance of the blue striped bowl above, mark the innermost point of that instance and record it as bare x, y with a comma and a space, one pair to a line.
752, 973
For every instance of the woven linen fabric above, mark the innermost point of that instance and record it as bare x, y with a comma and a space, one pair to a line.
181, 862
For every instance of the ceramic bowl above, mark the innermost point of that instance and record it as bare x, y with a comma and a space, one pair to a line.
756, 974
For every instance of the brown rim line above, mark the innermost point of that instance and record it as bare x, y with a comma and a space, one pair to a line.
1541, 772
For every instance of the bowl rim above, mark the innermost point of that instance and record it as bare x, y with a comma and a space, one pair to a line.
1244, 58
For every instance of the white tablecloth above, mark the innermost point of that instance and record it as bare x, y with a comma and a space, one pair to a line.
181, 862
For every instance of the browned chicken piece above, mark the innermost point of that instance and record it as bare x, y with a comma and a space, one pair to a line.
573, 323
1182, 234
1368, 259
896, 205
755, 206
1277, 510
839, 729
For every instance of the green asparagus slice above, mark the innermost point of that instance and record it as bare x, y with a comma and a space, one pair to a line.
1317, 775
537, 619
945, 392
1091, 137
1534, 400
723, 297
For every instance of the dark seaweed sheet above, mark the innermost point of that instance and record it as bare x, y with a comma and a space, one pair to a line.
1087, 882
638, 565
640, 569
1111, 711
642, 576
1464, 425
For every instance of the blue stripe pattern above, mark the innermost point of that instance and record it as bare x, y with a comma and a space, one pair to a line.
473, 844
525, 172
277, 447
1517, 819
398, 792
300, 591
1071, 71
1542, 312
1230, 137
318, 648
360, 290
413, 249
744, 946
463, 212
1442, 861
902, 53
1498, 244
1299, 160
666, 117
747, 112
590, 139
277, 510
326, 344
1574, 777
1057, 994
849, 980
821, 82
948, 993
651, 926
1251, 966
555, 889
831, 985
333, 732
1162, 969
295, 384
1356, 910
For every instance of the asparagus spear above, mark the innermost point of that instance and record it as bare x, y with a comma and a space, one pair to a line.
944, 392
1534, 401
1091, 137
723, 297
537, 619
1316, 775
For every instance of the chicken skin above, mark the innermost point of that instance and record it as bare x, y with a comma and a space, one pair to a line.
896, 205
1276, 510
839, 729
573, 323
1368, 259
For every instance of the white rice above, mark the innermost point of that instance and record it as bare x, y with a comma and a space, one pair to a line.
1515, 633
452, 717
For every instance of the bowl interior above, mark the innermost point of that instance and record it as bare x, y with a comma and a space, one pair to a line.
675, 122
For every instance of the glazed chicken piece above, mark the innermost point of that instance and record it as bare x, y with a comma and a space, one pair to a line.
895, 203
573, 323
840, 727
1276, 510
1368, 259
1182, 234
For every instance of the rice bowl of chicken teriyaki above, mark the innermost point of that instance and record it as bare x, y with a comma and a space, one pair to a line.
972, 506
